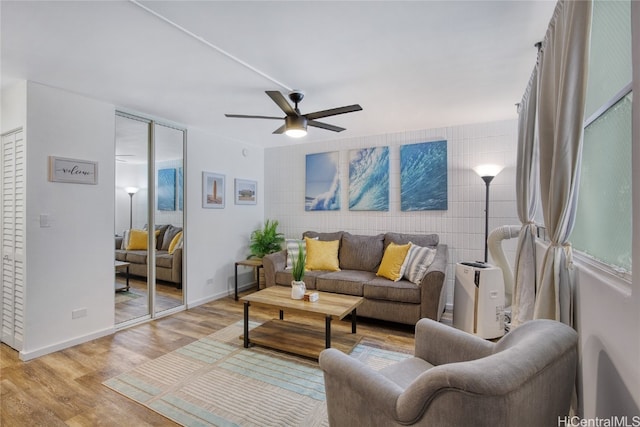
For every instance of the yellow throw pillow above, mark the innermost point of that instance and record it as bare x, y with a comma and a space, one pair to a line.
175, 242
137, 240
392, 261
322, 255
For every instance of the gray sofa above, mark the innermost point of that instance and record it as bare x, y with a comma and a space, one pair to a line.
457, 379
168, 266
360, 257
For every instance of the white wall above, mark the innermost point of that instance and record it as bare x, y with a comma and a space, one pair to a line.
69, 264
461, 226
216, 238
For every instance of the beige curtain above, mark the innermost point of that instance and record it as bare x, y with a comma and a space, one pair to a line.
527, 194
561, 95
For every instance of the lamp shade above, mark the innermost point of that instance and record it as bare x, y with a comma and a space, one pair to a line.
488, 170
296, 126
131, 190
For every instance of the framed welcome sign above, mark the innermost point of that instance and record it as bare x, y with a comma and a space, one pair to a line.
73, 170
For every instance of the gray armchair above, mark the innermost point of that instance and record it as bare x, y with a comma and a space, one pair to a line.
457, 379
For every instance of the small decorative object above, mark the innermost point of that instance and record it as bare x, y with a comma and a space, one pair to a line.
266, 240
311, 296
298, 288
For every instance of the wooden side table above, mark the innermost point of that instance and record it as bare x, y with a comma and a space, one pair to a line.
255, 263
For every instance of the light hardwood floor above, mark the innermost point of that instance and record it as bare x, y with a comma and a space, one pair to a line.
65, 388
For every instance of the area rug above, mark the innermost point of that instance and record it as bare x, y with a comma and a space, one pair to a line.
215, 381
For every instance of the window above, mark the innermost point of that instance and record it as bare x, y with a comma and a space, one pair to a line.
603, 227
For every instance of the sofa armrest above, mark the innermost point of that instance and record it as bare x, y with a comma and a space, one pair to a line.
440, 344
273, 263
433, 285
118, 242
350, 384
176, 269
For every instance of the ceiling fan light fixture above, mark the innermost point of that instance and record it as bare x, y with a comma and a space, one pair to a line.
296, 126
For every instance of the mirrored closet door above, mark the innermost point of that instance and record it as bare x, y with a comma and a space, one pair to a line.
149, 195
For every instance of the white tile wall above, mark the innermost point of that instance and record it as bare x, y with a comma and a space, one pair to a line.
461, 226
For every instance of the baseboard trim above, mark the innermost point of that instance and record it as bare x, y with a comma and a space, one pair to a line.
29, 355
219, 295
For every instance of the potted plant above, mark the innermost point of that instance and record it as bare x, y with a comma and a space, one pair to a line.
298, 288
266, 240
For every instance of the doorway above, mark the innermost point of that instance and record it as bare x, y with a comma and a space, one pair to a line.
149, 195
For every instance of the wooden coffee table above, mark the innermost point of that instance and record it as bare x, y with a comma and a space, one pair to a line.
302, 339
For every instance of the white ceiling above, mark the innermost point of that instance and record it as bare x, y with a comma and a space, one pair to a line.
410, 65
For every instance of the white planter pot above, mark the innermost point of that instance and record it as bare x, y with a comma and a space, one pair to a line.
298, 289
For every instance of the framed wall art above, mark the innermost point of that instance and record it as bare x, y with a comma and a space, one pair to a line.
423, 176
246, 192
322, 191
369, 179
73, 170
213, 194
166, 189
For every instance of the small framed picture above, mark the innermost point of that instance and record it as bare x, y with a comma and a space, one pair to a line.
246, 192
213, 194
73, 170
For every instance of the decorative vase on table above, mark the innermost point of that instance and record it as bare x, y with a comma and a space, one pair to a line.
298, 288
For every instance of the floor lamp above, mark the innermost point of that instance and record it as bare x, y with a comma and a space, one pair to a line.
131, 191
487, 173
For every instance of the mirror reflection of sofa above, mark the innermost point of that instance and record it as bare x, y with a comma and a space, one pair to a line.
131, 247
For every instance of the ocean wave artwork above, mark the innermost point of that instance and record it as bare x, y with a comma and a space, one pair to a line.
322, 190
369, 179
423, 176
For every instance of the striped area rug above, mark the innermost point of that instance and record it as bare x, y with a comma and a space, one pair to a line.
216, 382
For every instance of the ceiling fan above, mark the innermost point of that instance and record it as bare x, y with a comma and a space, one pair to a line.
295, 123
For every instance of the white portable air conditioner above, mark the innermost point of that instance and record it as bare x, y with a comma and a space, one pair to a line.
478, 299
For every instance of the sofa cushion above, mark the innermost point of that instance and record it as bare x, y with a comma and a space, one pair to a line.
383, 289
176, 243
322, 255
160, 231
137, 257
164, 259
417, 239
393, 261
121, 255
284, 278
137, 240
325, 237
348, 282
168, 236
361, 252
418, 261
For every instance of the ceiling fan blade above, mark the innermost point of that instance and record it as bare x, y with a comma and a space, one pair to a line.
333, 112
282, 102
242, 116
324, 126
281, 129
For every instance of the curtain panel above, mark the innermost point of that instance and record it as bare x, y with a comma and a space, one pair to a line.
561, 98
527, 195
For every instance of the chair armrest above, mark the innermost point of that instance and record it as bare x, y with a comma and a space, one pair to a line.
432, 287
351, 379
273, 263
440, 344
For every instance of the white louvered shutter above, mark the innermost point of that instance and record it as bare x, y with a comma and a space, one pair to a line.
13, 239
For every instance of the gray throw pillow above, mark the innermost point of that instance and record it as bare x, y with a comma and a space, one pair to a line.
362, 253
169, 234
417, 239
